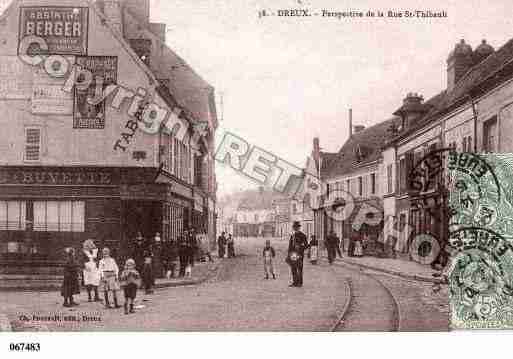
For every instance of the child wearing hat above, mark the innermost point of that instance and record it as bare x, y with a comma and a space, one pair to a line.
130, 280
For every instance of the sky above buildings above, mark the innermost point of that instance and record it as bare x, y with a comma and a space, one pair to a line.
286, 80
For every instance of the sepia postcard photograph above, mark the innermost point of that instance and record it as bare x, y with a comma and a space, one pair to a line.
255, 166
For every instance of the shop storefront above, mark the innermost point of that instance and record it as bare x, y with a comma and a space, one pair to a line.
44, 210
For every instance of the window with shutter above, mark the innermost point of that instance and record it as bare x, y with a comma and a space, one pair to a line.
402, 175
435, 167
32, 144
390, 187
408, 167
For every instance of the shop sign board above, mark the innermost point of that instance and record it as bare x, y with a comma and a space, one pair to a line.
64, 28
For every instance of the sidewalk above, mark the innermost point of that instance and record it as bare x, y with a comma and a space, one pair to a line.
200, 273
402, 268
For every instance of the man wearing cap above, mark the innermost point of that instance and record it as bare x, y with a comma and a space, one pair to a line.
297, 245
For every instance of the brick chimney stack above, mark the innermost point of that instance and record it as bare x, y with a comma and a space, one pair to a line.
112, 9
139, 8
460, 60
350, 122
316, 150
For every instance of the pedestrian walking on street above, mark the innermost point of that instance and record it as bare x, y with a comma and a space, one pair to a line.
204, 246
314, 249
221, 242
183, 253
137, 251
297, 246
332, 242
91, 273
230, 244
190, 252
352, 243
130, 281
148, 279
358, 247
109, 283
169, 256
268, 253
70, 282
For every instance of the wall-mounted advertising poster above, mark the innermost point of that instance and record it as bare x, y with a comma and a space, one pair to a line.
48, 96
64, 29
86, 115
16, 78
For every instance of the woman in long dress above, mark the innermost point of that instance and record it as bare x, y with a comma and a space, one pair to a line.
358, 248
70, 283
91, 272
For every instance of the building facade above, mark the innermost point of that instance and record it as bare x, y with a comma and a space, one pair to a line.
473, 114
71, 170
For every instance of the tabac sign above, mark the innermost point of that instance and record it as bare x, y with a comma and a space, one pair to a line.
63, 28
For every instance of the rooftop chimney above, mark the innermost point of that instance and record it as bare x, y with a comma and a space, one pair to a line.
113, 12
139, 8
350, 122
482, 52
460, 60
358, 128
316, 151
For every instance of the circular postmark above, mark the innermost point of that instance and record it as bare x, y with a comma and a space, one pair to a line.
480, 274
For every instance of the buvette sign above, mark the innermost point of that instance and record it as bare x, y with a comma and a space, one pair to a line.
63, 28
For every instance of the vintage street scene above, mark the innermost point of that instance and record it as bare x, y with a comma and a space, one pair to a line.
288, 166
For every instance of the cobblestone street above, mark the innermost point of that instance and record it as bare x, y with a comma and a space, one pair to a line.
334, 297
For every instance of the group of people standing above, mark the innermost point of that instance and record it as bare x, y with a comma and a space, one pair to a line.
99, 276
143, 261
225, 246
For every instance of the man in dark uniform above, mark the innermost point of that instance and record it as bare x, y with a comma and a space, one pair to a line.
183, 251
137, 251
297, 245
332, 243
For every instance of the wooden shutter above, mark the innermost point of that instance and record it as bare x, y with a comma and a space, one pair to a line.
408, 168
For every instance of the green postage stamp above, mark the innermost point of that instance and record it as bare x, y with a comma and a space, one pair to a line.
480, 272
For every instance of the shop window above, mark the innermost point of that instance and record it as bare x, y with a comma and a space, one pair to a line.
32, 144
13, 215
59, 216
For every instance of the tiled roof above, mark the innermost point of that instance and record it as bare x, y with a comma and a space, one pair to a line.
362, 148
327, 160
189, 90
481, 77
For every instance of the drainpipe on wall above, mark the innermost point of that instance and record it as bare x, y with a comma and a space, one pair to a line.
474, 111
